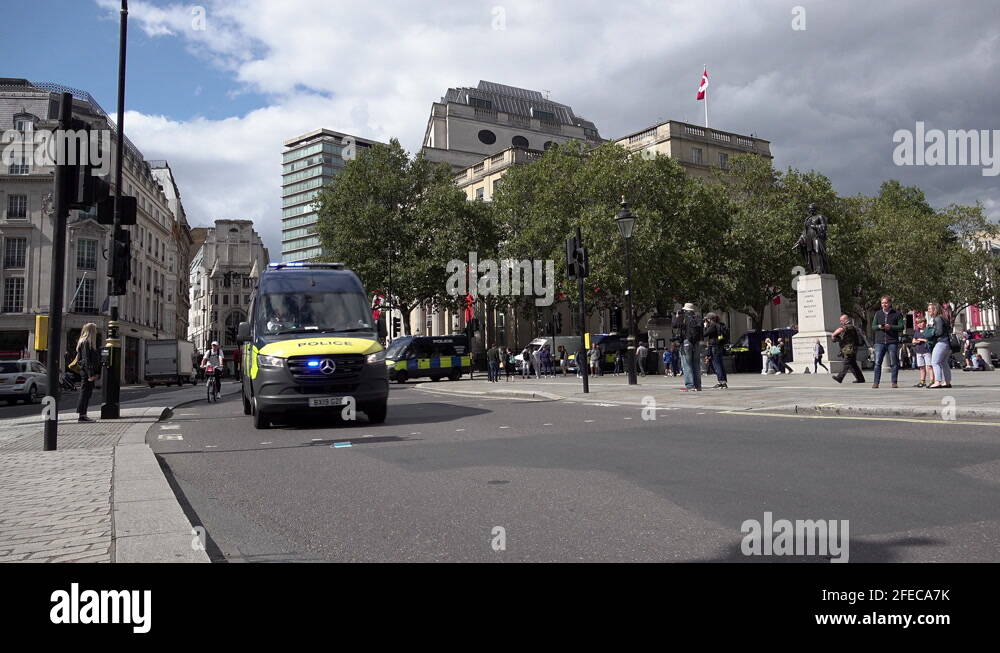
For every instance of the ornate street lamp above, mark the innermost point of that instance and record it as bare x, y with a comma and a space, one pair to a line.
626, 221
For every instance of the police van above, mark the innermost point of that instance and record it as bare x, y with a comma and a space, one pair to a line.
436, 357
311, 345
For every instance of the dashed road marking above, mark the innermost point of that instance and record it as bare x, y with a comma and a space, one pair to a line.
628, 418
340, 445
170, 427
588, 421
211, 446
505, 427
265, 443
170, 436
459, 430
547, 424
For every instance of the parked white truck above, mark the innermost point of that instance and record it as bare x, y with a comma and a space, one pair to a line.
169, 361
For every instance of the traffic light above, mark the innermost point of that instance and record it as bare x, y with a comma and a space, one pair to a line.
121, 272
571, 258
106, 210
397, 327
582, 262
82, 188
558, 322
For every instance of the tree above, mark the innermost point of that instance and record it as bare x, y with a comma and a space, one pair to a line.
385, 214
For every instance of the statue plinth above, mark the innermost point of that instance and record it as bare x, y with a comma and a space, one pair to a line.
819, 317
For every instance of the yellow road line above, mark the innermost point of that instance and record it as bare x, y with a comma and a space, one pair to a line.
911, 420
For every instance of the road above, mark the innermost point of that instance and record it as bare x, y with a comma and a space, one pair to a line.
575, 482
133, 395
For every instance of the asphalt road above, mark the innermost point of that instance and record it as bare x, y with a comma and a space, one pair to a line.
575, 482
135, 396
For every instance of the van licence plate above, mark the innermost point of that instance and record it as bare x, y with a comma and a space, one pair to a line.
320, 402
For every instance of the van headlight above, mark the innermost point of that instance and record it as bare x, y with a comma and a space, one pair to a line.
270, 361
377, 357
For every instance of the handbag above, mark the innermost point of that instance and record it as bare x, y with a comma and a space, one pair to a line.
74, 365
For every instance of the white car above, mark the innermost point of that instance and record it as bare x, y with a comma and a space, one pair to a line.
23, 380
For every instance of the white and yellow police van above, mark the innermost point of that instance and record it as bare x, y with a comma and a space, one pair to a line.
311, 345
435, 357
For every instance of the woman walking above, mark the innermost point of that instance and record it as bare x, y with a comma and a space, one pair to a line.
818, 352
937, 337
90, 366
765, 357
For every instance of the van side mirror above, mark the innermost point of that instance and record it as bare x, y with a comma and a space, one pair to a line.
243, 333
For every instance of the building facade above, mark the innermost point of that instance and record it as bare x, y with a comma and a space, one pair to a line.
26, 227
180, 257
469, 124
223, 273
309, 163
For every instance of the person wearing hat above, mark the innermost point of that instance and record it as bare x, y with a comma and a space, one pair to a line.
689, 324
215, 357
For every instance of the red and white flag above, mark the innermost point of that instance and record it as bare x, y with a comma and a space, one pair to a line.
703, 87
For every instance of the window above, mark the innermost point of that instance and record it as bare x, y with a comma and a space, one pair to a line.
543, 115
17, 207
496, 185
86, 300
479, 193
487, 137
696, 155
225, 300
86, 255
723, 160
18, 169
480, 103
246, 299
13, 295
519, 141
23, 125
14, 251
215, 299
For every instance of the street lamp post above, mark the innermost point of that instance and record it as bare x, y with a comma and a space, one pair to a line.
626, 221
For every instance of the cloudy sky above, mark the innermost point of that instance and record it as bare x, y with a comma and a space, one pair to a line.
218, 102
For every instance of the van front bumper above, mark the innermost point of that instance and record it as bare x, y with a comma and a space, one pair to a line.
276, 391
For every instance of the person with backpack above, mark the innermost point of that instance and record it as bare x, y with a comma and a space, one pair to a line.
888, 324
938, 339
818, 352
668, 360
850, 339
690, 325
716, 336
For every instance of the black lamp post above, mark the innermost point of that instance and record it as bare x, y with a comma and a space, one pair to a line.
626, 221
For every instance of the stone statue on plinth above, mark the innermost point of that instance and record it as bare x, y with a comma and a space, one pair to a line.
812, 243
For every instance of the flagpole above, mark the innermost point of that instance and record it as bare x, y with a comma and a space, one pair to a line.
706, 100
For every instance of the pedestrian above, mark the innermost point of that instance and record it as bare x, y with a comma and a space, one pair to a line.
765, 356
783, 355
668, 360
563, 359
619, 362
904, 355
850, 339
595, 359
89, 362
509, 364
715, 337
493, 363
640, 358
888, 324
922, 353
938, 332
581, 361
545, 358
690, 325
775, 357
818, 352
536, 362
525, 362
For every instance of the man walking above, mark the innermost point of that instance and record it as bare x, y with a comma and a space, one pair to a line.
850, 339
493, 360
715, 337
690, 325
887, 324
640, 358
783, 356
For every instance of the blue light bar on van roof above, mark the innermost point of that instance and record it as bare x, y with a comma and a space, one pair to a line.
304, 264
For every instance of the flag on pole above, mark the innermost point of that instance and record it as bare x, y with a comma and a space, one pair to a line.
703, 87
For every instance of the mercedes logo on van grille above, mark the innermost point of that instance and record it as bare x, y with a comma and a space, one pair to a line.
327, 366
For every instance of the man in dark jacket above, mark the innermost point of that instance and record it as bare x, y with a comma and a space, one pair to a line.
850, 339
887, 324
689, 323
715, 338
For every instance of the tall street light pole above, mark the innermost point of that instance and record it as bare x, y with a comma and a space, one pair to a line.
111, 408
626, 221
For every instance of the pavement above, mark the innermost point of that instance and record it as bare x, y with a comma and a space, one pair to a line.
100, 497
974, 395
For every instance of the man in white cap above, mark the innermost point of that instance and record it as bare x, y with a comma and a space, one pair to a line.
216, 359
689, 323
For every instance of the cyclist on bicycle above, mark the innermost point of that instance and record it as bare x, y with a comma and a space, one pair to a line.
216, 359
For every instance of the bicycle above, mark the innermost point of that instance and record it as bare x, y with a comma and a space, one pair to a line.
210, 388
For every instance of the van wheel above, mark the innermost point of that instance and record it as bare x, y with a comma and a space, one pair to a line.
401, 377
435, 378
455, 375
260, 420
376, 412
247, 408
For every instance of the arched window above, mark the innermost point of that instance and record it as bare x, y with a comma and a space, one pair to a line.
519, 141
487, 137
232, 327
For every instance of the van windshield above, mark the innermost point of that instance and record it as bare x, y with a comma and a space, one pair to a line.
312, 312
395, 350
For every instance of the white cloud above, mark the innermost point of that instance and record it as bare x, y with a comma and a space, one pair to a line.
827, 98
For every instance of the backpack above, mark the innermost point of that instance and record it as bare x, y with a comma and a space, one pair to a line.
821, 350
693, 329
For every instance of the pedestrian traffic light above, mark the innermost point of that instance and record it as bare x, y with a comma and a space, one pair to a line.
121, 271
582, 262
571, 247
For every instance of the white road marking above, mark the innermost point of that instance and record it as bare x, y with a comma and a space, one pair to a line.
167, 436
628, 418
505, 427
415, 433
459, 430
170, 427
211, 446
316, 439
588, 421
265, 443
547, 424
